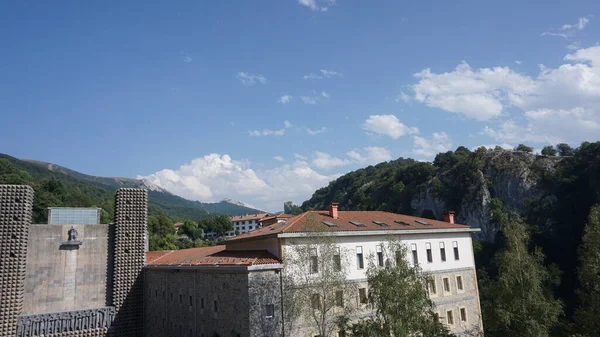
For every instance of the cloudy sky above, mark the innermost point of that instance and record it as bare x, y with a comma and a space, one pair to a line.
266, 101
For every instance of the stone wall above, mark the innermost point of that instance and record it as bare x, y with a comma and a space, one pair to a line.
60, 278
181, 302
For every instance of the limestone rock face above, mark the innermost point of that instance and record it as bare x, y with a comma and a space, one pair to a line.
513, 177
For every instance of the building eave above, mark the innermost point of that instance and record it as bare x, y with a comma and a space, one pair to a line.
382, 232
239, 268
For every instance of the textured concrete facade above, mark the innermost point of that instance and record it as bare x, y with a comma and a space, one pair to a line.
89, 289
16, 205
59, 278
207, 302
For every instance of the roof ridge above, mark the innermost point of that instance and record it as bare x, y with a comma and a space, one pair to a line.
301, 216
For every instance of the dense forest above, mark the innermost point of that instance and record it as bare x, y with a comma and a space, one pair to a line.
552, 194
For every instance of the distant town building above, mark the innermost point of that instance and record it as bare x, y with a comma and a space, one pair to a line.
73, 215
274, 219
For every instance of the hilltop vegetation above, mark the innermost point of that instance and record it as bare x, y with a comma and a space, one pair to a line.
551, 193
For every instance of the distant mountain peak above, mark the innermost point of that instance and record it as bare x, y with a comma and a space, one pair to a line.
235, 202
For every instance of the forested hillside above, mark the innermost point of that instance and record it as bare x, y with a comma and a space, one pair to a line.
58, 186
553, 194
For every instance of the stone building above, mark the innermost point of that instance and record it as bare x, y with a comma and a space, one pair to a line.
71, 279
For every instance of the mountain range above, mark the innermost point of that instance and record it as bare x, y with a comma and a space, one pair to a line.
100, 190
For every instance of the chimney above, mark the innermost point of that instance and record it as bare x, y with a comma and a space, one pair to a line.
449, 216
333, 210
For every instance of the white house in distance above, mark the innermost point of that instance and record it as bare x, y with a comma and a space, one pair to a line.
246, 223
442, 248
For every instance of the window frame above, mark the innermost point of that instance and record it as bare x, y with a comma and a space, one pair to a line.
446, 285
313, 260
462, 310
462, 284
360, 260
363, 297
267, 307
415, 254
442, 251
379, 252
337, 259
429, 252
450, 317
455, 249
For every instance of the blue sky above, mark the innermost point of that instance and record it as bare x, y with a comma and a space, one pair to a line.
265, 101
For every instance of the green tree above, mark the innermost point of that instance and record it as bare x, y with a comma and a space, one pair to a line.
565, 150
517, 301
588, 310
398, 293
190, 228
549, 151
524, 148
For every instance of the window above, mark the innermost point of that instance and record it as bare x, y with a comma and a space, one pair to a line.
202, 303
360, 263
455, 245
463, 314
249, 227
431, 286
459, 283
314, 261
362, 295
171, 296
339, 298
449, 317
243, 228
413, 247
442, 252
315, 301
379, 256
215, 306
191, 301
180, 298
337, 260
446, 285
269, 310
429, 255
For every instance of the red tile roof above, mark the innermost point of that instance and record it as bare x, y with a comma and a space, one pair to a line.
256, 216
278, 216
209, 256
313, 221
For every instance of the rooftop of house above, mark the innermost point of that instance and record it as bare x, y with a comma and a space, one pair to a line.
278, 216
354, 221
209, 256
256, 216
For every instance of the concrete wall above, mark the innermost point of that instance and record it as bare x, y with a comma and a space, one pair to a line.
58, 279
181, 303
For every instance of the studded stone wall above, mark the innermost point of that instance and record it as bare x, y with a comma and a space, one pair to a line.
131, 209
16, 208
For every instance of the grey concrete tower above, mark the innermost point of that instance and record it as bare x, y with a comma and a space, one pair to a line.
131, 209
16, 208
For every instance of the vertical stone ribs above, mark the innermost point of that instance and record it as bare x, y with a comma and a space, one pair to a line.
131, 208
16, 205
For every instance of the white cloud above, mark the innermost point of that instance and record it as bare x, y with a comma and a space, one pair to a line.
251, 79
574, 46
308, 100
299, 156
285, 99
316, 131
560, 104
317, 5
568, 30
326, 161
324, 94
370, 155
439, 142
279, 158
403, 97
518, 62
270, 132
324, 73
186, 57
214, 177
388, 125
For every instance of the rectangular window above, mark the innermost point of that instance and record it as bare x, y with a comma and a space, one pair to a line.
431, 286
215, 306
337, 260
449, 317
243, 228
415, 256
180, 299
442, 252
316, 301
269, 310
314, 261
446, 284
429, 254
379, 256
360, 263
339, 298
463, 314
191, 301
459, 283
249, 227
362, 295
202, 303
455, 245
